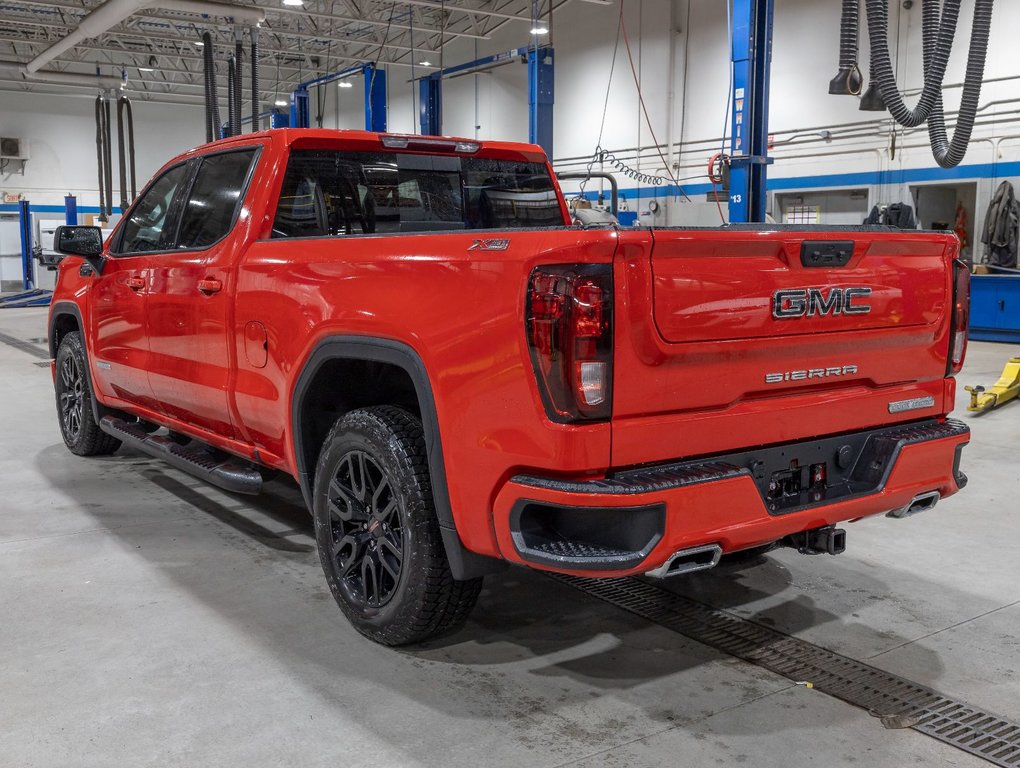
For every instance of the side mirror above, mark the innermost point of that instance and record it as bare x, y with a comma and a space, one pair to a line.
86, 242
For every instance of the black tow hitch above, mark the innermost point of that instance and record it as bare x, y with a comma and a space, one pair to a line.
820, 541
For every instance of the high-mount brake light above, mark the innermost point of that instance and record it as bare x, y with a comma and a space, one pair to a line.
570, 335
428, 142
960, 316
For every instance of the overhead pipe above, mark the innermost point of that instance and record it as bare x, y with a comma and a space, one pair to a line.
104, 82
112, 12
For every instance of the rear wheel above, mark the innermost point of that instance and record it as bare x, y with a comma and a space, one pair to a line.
377, 532
73, 386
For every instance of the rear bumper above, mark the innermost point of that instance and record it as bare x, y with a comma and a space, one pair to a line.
631, 522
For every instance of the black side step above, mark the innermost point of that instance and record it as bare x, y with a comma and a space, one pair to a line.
227, 475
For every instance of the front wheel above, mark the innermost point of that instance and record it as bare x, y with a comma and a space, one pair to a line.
377, 532
78, 426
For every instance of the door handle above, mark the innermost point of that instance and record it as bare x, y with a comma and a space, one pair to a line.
136, 283
209, 287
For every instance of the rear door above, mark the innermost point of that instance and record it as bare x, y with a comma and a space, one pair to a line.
119, 296
190, 311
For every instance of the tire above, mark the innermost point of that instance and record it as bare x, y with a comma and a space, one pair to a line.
377, 532
73, 386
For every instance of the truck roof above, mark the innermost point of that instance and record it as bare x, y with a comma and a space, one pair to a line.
365, 140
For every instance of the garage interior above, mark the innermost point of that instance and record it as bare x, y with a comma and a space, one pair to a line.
152, 619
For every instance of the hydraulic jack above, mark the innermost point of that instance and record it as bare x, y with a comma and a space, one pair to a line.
1005, 389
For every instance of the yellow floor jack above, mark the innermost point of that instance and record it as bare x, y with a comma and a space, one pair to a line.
1005, 389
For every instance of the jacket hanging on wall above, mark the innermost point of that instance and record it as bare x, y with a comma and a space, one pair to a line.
899, 215
1000, 232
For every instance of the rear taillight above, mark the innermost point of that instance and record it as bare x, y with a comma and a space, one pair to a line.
570, 333
960, 317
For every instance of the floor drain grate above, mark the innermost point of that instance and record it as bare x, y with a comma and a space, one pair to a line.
24, 346
885, 695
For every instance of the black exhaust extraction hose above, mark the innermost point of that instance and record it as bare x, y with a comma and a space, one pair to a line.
131, 147
848, 80
238, 80
255, 106
231, 92
950, 153
99, 157
121, 155
881, 62
206, 69
214, 104
108, 155
939, 31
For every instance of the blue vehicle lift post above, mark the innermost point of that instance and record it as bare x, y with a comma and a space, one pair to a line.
70, 210
540, 92
375, 96
752, 61
25, 224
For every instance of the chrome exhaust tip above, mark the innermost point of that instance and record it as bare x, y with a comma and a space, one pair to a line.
689, 560
920, 503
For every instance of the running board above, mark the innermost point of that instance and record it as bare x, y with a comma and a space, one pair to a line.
227, 474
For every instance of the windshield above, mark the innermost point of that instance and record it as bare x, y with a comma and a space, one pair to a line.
333, 193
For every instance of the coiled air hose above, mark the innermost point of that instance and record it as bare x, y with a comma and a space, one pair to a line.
848, 80
938, 32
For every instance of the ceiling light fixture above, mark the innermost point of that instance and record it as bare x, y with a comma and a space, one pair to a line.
281, 103
145, 69
424, 63
540, 30
199, 43
293, 2
345, 84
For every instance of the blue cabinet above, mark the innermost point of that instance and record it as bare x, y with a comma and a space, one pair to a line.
995, 308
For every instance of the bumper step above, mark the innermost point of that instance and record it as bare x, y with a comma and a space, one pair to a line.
226, 474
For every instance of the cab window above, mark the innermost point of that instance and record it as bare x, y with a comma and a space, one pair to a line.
146, 227
212, 203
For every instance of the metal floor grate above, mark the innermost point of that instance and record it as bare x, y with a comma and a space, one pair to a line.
25, 346
908, 704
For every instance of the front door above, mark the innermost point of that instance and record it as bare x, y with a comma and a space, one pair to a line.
119, 296
190, 310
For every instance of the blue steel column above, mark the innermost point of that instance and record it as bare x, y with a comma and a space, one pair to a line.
375, 98
300, 117
25, 225
540, 98
430, 92
70, 210
752, 61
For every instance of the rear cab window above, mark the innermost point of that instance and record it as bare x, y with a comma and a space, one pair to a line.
336, 193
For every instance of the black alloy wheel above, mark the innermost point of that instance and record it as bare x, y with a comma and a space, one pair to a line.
377, 532
366, 532
76, 410
71, 396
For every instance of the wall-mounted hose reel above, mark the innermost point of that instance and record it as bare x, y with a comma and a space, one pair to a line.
938, 29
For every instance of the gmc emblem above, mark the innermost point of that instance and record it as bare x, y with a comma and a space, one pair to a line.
812, 302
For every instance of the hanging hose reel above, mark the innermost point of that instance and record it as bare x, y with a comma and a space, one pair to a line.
938, 29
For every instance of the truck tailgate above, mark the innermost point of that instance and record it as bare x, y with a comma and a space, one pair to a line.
736, 337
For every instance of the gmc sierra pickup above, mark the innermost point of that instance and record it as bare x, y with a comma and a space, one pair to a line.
457, 377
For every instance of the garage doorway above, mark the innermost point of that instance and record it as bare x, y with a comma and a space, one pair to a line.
939, 206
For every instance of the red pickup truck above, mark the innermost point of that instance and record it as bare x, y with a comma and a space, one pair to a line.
458, 377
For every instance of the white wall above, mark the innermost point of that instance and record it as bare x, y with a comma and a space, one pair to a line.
494, 105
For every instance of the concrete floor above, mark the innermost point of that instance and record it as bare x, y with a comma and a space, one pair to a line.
146, 619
